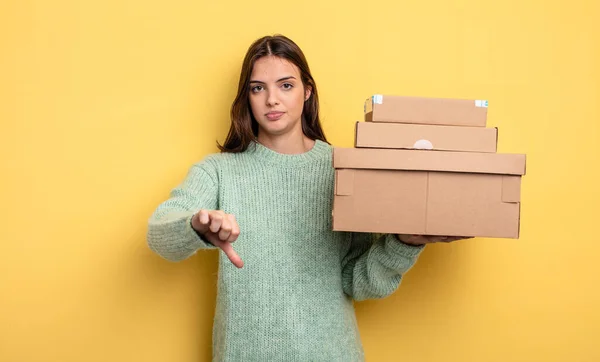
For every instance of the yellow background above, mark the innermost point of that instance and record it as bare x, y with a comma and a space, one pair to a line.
106, 104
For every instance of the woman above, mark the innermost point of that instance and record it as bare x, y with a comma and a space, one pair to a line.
270, 191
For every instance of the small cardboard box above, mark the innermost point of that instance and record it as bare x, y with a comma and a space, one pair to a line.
417, 136
427, 192
419, 110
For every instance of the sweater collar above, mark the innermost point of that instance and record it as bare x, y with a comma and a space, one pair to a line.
318, 151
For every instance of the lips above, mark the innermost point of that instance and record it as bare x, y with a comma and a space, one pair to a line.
273, 116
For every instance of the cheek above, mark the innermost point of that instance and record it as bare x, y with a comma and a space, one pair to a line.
298, 101
255, 104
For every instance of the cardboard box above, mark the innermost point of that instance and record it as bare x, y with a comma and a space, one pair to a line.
415, 136
427, 192
434, 111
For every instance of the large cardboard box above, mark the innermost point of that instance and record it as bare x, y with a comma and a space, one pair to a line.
427, 192
419, 110
416, 136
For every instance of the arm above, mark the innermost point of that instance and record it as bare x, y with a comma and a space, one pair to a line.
372, 270
170, 233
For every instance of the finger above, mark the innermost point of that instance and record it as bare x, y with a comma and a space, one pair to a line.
456, 238
414, 239
417, 240
216, 219
204, 217
449, 239
200, 221
437, 239
235, 229
225, 229
232, 255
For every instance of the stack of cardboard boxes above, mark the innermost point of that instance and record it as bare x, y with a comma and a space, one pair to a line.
427, 166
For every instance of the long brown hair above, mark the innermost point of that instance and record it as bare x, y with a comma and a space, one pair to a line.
244, 128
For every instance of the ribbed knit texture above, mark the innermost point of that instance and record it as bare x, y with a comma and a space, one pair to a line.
292, 300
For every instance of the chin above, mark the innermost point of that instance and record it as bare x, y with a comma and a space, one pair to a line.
276, 132
275, 128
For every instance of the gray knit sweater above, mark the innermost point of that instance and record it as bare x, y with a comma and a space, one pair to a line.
292, 300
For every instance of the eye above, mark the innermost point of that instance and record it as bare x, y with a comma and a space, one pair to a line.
256, 88
287, 86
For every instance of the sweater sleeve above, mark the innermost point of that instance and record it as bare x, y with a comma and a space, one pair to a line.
170, 233
373, 269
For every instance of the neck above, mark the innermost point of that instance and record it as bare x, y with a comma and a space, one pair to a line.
291, 143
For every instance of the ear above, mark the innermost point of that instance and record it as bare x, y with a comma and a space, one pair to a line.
307, 93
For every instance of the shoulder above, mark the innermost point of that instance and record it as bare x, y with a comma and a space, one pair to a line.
221, 160
326, 147
324, 150
213, 164
204, 168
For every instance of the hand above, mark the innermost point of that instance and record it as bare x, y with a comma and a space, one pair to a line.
220, 229
429, 239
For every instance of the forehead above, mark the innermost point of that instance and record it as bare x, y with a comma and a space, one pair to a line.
271, 68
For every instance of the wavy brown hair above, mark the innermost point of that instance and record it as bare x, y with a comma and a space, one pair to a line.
244, 128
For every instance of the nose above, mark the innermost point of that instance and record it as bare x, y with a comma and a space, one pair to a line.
272, 99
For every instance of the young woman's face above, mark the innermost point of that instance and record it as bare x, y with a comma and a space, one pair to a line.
277, 96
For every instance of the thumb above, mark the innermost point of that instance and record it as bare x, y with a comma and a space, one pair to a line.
231, 254
227, 249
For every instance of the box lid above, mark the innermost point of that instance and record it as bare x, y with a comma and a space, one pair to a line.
425, 160
421, 136
423, 110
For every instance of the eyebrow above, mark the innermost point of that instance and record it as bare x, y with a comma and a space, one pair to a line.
279, 80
